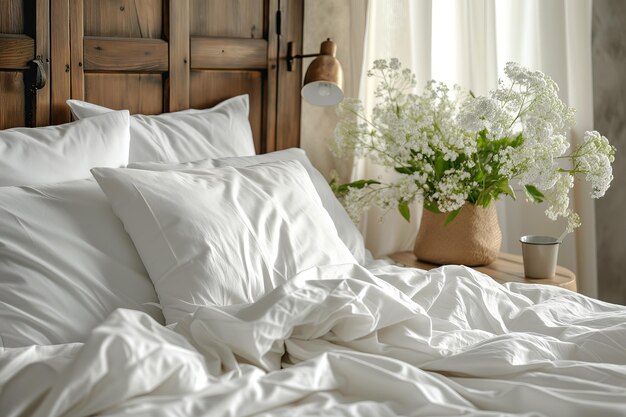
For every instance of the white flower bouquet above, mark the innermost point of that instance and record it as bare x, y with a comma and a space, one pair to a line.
453, 148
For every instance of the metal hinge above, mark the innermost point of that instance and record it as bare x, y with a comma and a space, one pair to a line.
279, 22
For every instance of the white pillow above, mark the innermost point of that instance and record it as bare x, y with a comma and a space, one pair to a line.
346, 229
223, 130
225, 236
42, 155
65, 264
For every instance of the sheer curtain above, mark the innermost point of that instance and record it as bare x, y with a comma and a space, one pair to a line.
467, 42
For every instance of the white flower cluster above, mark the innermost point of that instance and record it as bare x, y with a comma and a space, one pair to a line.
385, 196
453, 147
594, 158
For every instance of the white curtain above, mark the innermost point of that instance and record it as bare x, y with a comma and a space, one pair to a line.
467, 42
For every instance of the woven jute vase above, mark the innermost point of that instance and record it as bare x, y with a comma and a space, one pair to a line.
473, 238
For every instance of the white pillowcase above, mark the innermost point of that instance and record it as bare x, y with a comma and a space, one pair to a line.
65, 264
42, 155
225, 236
223, 130
346, 229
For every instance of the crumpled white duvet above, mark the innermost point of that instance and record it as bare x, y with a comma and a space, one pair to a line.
341, 341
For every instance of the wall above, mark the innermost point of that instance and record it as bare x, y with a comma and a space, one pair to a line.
326, 19
609, 101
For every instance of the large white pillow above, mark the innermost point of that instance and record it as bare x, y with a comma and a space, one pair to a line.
346, 229
65, 264
226, 235
223, 130
42, 155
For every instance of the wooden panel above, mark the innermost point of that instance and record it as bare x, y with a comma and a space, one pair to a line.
140, 93
225, 53
12, 102
211, 87
125, 54
270, 87
227, 18
178, 33
60, 68
42, 51
11, 16
77, 68
16, 51
240, 56
289, 101
124, 18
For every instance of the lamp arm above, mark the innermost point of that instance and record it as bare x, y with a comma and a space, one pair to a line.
291, 57
305, 56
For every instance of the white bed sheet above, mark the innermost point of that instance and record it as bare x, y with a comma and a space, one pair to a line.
342, 340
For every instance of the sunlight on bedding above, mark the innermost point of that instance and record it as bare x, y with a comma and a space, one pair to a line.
343, 340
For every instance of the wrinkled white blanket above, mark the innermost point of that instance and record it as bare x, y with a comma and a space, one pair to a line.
340, 341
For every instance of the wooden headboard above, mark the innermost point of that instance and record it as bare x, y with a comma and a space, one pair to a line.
152, 56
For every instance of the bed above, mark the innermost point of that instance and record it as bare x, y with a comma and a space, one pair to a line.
185, 258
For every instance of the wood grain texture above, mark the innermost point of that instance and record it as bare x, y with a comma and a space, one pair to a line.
226, 53
77, 80
227, 18
139, 93
12, 16
16, 51
42, 51
60, 64
125, 54
507, 268
270, 86
124, 18
150, 70
178, 32
289, 100
208, 88
12, 102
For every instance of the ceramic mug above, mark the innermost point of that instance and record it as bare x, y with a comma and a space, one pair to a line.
540, 254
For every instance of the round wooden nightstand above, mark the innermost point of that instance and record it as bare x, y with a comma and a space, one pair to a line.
507, 268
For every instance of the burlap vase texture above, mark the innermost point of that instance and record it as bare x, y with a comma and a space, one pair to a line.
473, 238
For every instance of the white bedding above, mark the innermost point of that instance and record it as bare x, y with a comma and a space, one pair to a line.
342, 340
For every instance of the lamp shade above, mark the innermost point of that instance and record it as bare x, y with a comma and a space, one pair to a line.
323, 82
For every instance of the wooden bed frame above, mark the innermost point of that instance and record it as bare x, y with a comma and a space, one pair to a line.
152, 56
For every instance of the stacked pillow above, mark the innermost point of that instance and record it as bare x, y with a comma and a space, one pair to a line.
223, 130
346, 229
224, 235
66, 261
63, 153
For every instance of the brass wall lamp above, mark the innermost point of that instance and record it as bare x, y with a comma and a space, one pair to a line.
323, 81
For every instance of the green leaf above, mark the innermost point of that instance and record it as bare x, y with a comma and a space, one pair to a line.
518, 141
453, 215
362, 183
534, 194
403, 208
432, 207
482, 138
340, 189
405, 170
440, 166
508, 190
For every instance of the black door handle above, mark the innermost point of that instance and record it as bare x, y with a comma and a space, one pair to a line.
35, 78
38, 77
